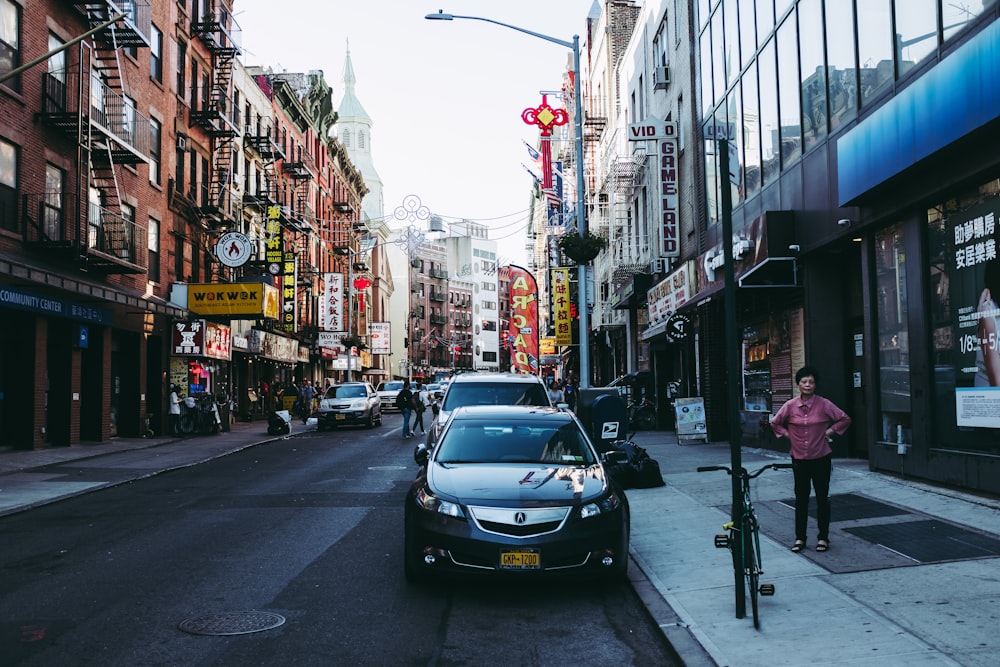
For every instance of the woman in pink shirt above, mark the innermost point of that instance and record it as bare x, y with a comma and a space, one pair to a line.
809, 422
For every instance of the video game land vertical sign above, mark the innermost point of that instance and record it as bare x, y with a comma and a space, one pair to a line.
975, 293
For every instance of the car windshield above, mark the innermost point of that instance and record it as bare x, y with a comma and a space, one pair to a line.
461, 394
347, 391
390, 386
495, 441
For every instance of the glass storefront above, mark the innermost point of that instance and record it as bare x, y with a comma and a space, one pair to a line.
963, 277
893, 335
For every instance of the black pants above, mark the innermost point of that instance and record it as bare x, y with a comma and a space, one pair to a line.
418, 419
812, 474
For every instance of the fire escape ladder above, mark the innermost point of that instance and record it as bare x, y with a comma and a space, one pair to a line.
113, 227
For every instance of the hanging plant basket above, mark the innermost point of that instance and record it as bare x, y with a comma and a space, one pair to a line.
353, 341
582, 249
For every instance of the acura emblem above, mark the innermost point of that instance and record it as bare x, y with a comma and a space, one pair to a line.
520, 518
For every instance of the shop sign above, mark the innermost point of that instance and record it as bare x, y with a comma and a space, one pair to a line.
289, 305
35, 302
664, 133
561, 306
678, 327
331, 311
234, 249
668, 295
273, 346
232, 299
199, 338
379, 335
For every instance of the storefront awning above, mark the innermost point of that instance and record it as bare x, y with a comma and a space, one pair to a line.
772, 272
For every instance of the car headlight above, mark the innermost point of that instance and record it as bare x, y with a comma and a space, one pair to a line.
432, 503
608, 504
358, 404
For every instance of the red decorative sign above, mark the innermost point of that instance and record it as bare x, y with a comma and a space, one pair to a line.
523, 335
546, 118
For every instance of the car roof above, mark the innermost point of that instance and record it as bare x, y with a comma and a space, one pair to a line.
494, 377
541, 412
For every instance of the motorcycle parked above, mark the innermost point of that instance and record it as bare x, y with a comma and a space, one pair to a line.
199, 414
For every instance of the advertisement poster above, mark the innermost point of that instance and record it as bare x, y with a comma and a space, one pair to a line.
975, 292
561, 307
523, 321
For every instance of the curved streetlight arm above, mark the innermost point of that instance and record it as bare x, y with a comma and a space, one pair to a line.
441, 16
581, 220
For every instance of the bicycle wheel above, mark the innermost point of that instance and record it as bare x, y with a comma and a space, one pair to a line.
751, 567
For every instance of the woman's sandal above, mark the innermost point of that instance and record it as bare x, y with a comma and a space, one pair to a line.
822, 545
798, 546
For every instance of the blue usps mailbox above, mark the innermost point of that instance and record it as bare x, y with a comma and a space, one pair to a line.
604, 414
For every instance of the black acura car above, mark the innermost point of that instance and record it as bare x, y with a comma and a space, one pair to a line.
515, 490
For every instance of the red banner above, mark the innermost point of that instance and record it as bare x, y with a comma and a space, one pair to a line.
524, 321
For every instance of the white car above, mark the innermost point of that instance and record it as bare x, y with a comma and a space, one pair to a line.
387, 392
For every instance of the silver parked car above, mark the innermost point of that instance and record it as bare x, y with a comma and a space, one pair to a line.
349, 403
387, 393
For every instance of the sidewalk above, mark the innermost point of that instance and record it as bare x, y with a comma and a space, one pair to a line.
929, 596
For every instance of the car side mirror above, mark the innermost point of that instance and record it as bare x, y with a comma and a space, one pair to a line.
421, 455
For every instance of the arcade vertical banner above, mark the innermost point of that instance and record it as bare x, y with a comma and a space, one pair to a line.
523, 296
561, 306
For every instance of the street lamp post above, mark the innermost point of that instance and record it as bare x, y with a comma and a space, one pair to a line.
581, 222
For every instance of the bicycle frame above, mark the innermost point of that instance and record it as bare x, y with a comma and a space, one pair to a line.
743, 541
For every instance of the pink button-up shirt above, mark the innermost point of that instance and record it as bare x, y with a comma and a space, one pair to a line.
805, 424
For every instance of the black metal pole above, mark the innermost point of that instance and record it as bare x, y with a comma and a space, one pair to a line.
732, 372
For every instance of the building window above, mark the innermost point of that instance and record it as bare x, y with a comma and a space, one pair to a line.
156, 54
790, 127
10, 42
874, 48
52, 210
155, 139
181, 68
153, 247
8, 185
813, 72
841, 64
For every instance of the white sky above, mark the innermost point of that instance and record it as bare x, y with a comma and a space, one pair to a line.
445, 98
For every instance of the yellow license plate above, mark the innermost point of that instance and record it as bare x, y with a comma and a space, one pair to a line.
340, 417
522, 559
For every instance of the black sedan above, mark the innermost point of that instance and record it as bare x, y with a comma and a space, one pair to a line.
515, 490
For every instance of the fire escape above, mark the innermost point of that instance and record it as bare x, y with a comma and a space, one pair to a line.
220, 33
87, 102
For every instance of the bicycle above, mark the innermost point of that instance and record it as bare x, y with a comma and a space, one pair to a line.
746, 538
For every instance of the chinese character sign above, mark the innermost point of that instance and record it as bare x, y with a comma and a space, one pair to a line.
289, 274
331, 312
561, 306
379, 336
523, 321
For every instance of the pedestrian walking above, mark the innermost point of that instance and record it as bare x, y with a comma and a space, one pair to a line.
419, 403
404, 402
810, 422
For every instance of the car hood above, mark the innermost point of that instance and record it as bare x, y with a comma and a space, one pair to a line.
516, 485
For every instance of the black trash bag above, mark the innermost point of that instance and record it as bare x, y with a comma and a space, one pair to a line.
639, 471
278, 422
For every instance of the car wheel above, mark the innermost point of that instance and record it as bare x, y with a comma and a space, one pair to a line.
320, 426
379, 417
370, 421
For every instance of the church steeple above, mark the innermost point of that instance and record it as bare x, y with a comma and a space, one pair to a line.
354, 129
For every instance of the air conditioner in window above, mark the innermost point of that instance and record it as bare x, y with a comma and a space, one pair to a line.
659, 265
181, 142
662, 78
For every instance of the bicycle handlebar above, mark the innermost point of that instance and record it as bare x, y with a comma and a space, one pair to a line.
751, 475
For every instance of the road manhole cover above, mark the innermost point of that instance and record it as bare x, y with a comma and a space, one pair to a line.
232, 623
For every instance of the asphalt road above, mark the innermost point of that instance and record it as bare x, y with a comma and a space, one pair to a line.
307, 531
